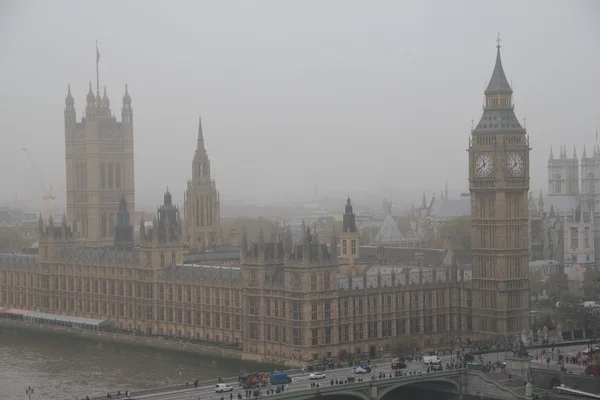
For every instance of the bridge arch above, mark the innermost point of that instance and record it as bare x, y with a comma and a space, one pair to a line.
429, 384
346, 394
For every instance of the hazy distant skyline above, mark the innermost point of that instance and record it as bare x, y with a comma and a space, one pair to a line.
346, 95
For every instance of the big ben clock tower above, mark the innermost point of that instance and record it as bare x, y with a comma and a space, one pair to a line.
499, 186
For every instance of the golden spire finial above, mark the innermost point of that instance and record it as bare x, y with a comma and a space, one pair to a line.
498, 41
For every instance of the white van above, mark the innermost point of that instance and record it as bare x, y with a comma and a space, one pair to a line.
432, 360
222, 387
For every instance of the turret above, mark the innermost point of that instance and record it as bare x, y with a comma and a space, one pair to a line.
126, 110
91, 99
123, 227
40, 225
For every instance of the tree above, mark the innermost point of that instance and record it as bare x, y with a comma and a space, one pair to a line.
597, 362
458, 232
11, 239
335, 228
537, 285
365, 238
404, 344
403, 223
557, 287
252, 225
591, 284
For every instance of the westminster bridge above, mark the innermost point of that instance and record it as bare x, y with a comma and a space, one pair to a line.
443, 385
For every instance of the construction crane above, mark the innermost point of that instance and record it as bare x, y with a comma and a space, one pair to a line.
48, 197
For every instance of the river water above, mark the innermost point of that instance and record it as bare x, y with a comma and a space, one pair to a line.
62, 367
66, 368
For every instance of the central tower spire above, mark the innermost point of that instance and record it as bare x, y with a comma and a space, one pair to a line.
202, 207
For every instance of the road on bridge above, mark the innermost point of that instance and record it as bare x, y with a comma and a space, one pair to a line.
302, 381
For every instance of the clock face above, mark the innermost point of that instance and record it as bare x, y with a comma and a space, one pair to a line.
483, 165
515, 164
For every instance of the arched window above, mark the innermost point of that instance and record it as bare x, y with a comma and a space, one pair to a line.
103, 225
111, 224
557, 184
110, 175
591, 183
118, 175
102, 176
571, 184
77, 172
85, 174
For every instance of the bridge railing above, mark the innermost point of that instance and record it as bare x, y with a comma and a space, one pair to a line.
324, 388
164, 389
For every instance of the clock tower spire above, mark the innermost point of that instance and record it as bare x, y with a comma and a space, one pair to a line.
499, 184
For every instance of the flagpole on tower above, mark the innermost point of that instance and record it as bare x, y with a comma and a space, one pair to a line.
97, 74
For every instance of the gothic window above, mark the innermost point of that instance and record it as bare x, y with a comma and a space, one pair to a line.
111, 224
102, 176
344, 247
197, 213
353, 247
77, 173
571, 184
110, 175
574, 238
209, 210
81, 176
201, 210
591, 183
587, 237
84, 173
103, 225
118, 175
557, 184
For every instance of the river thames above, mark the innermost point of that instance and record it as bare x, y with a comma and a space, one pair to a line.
61, 367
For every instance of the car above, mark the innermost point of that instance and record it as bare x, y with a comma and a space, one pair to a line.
316, 376
222, 387
399, 365
361, 370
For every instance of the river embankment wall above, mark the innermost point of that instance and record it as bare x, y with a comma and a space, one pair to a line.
133, 340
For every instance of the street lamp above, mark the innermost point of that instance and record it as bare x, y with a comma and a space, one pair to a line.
29, 392
180, 372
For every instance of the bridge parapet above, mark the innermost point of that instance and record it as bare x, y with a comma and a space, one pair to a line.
452, 382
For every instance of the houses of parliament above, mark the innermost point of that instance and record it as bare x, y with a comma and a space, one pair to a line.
281, 301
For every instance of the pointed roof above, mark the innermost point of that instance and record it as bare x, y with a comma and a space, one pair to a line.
389, 232
69, 99
123, 204
200, 134
126, 96
498, 82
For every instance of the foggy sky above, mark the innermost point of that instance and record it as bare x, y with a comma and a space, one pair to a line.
347, 95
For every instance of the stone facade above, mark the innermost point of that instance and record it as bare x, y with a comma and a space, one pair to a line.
288, 302
100, 170
499, 186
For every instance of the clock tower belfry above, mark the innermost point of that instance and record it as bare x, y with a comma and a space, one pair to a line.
499, 186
